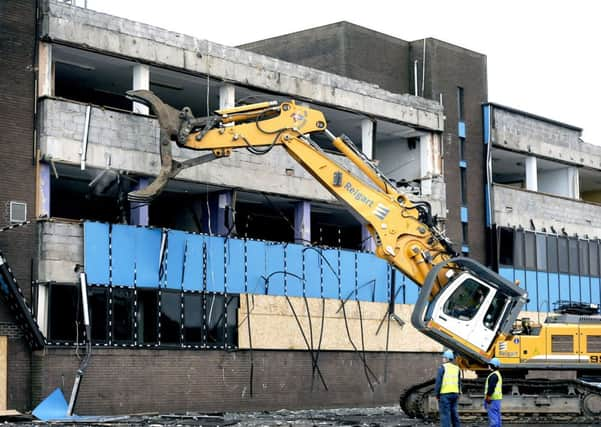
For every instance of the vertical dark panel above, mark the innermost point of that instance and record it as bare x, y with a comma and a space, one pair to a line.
170, 325
563, 255
63, 313
193, 314
530, 250
148, 316
123, 316
518, 249
215, 319
98, 306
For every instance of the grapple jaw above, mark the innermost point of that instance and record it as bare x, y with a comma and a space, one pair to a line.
174, 126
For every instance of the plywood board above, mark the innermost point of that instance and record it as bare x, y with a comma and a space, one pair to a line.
274, 326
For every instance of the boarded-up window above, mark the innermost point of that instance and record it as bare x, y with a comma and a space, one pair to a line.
562, 343
593, 344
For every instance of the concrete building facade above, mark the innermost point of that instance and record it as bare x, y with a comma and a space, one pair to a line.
246, 285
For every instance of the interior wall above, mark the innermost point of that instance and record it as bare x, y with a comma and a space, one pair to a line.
399, 159
556, 182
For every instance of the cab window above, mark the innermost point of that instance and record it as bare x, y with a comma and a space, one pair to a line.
466, 300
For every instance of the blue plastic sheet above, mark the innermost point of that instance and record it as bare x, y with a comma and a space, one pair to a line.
275, 269
148, 248
123, 255
256, 256
215, 263
174, 265
348, 278
294, 280
329, 263
235, 266
193, 270
96, 252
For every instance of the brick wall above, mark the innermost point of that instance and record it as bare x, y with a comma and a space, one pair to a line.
17, 180
121, 381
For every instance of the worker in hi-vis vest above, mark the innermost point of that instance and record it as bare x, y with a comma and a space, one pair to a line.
446, 389
493, 393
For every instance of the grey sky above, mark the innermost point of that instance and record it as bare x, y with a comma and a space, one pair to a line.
543, 56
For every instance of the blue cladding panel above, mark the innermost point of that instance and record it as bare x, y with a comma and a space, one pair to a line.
148, 247
314, 268
123, 245
347, 275
193, 270
486, 110
574, 288
366, 277
331, 282
235, 266
596, 290
585, 288
462, 164
461, 129
564, 287
400, 286
256, 264
543, 294
275, 269
507, 273
411, 291
531, 288
521, 276
553, 289
294, 266
464, 216
215, 263
96, 252
176, 245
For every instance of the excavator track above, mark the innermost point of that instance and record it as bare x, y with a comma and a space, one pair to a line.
525, 401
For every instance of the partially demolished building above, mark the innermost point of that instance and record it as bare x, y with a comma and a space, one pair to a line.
226, 292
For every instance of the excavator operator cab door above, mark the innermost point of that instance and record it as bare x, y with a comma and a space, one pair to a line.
470, 309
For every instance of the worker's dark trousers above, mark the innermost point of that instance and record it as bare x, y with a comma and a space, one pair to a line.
494, 413
447, 405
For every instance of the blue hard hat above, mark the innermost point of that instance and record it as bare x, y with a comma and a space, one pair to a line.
448, 354
494, 362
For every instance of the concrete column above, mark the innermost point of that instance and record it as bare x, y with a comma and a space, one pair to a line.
42, 314
227, 96
45, 70
139, 212
141, 80
531, 174
574, 182
302, 223
44, 190
426, 164
367, 137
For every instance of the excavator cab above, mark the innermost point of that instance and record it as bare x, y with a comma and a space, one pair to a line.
472, 309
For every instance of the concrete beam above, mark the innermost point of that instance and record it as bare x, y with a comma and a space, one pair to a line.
117, 36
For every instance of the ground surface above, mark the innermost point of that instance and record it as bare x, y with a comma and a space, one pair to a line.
364, 417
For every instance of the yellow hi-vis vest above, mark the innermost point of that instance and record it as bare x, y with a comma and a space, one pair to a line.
450, 379
497, 393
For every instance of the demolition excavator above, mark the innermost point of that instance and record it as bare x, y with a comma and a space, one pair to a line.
462, 304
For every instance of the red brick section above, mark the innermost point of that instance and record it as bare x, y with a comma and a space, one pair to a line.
122, 381
17, 172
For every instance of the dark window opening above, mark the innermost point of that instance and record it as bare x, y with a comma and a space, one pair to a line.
98, 303
64, 311
462, 149
530, 242
74, 199
506, 246
170, 324
193, 315
336, 230
464, 232
215, 319
584, 257
265, 222
563, 255
552, 254
148, 316
518, 249
123, 315
573, 255
178, 211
